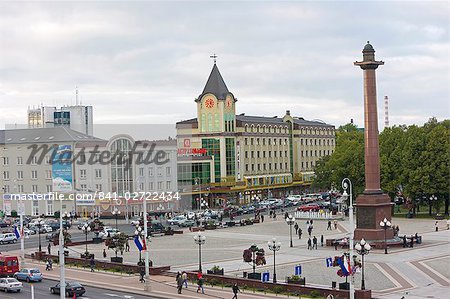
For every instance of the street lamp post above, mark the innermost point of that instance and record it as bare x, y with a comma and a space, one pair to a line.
116, 213
199, 183
363, 248
290, 220
274, 246
431, 199
346, 183
254, 248
39, 225
199, 239
385, 224
86, 230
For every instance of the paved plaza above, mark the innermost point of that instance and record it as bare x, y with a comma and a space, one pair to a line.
403, 272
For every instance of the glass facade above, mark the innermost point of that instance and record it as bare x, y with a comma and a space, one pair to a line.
230, 156
187, 173
121, 174
212, 147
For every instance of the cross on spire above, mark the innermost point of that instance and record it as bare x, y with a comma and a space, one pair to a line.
214, 56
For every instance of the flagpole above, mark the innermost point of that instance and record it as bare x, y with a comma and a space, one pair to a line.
147, 266
22, 241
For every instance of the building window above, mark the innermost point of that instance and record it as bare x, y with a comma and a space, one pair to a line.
270, 166
246, 155
264, 154
253, 167
34, 174
98, 173
141, 171
150, 186
83, 187
246, 141
6, 175
82, 173
159, 171
275, 154
20, 188
48, 174
141, 186
264, 166
246, 167
264, 141
150, 171
257, 141
34, 160
49, 188
251, 141
5, 160
49, 207
168, 185
253, 154
269, 141
259, 167
35, 209
167, 171
160, 186
257, 154
19, 160
34, 188
6, 188
270, 154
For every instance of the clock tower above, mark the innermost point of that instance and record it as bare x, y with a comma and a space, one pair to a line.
216, 111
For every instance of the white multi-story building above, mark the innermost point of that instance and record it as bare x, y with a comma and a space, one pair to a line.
78, 117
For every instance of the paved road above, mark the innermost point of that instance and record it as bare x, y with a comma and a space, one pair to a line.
41, 291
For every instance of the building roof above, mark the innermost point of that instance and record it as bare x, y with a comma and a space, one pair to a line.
368, 47
215, 84
263, 119
44, 135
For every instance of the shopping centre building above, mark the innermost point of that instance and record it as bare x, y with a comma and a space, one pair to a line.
224, 157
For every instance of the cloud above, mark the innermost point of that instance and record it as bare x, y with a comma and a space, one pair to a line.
145, 62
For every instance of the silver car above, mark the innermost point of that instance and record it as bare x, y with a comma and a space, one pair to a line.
10, 284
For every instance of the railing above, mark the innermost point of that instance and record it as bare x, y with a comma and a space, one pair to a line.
315, 215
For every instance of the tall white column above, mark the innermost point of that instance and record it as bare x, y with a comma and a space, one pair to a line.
62, 280
147, 265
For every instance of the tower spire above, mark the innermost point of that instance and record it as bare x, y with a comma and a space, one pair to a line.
76, 95
214, 57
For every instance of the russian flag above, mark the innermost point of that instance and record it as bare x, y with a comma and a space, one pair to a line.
17, 233
140, 243
345, 266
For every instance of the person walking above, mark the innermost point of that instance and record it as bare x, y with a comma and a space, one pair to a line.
321, 240
310, 230
311, 222
335, 224
92, 264
436, 226
185, 278
262, 218
274, 215
235, 291
127, 247
329, 225
104, 253
47, 265
142, 274
309, 244
335, 243
315, 242
49, 248
200, 282
179, 282
296, 227
300, 233
404, 241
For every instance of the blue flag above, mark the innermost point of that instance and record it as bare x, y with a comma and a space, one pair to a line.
16, 232
329, 262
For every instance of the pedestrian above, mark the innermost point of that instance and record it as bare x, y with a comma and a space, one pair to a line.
436, 226
142, 274
335, 243
235, 291
296, 227
200, 282
47, 265
270, 213
179, 282
185, 279
404, 241
311, 222
310, 230
307, 223
300, 233
309, 244
335, 224
329, 225
104, 253
49, 248
121, 251
412, 241
274, 216
50, 262
127, 247
321, 240
315, 242
92, 264
262, 218
286, 215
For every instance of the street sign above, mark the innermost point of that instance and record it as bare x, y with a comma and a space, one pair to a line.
298, 270
265, 277
329, 262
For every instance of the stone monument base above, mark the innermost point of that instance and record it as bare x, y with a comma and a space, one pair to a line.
371, 208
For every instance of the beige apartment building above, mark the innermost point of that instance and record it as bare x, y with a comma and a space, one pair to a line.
223, 156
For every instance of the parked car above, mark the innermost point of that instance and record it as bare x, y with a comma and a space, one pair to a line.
81, 224
187, 223
10, 285
3, 224
72, 287
309, 207
190, 215
177, 219
52, 235
108, 232
8, 238
28, 231
29, 274
136, 221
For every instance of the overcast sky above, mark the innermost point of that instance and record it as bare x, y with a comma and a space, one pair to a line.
146, 62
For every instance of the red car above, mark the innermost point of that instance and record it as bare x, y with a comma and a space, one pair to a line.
308, 207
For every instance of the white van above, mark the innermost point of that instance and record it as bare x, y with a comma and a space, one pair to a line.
8, 238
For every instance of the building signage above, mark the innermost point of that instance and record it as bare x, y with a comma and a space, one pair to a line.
187, 143
62, 169
238, 160
191, 151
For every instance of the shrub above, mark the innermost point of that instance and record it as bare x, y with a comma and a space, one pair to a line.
314, 294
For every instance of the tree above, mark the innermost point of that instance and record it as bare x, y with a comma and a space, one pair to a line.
117, 242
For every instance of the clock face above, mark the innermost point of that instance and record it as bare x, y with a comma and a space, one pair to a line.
209, 103
228, 103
